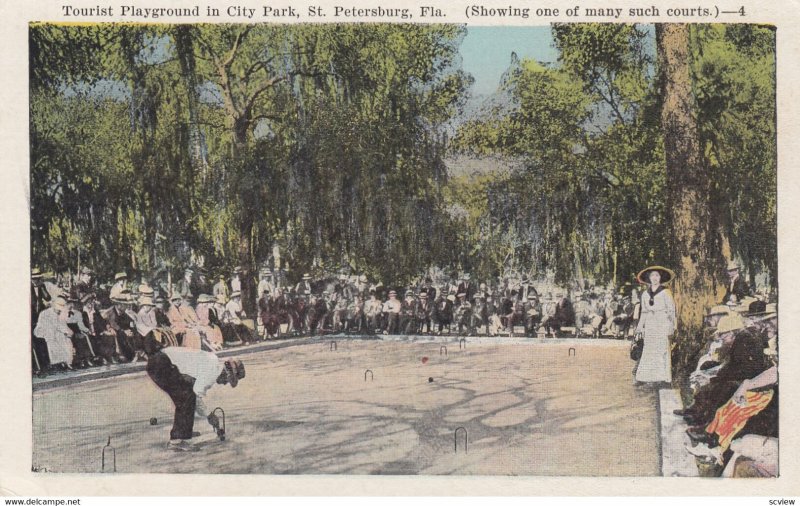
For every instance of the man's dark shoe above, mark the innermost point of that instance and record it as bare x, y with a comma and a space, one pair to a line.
699, 435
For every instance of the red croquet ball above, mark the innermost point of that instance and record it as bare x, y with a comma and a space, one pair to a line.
424, 360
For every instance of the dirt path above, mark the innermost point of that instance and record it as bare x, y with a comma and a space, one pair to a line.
529, 409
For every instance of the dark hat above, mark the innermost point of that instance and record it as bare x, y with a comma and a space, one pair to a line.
233, 371
760, 308
667, 275
87, 297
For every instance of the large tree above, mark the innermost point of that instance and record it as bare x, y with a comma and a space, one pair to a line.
688, 234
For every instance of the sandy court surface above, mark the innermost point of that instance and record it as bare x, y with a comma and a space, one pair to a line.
529, 409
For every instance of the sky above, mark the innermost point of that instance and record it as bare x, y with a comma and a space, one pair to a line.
486, 52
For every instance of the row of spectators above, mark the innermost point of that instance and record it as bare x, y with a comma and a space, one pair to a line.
733, 417
79, 324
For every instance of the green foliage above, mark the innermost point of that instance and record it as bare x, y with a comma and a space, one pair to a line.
155, 146
734, 75
590, 202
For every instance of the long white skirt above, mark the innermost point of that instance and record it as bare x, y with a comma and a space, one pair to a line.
656, 363
60, 350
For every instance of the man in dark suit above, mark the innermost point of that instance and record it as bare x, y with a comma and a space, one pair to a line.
467, 287
120, 321
736, 284
428, 289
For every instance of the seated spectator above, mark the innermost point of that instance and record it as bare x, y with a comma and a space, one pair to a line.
372, 312
391, 314
737, 288
212, 332
183, 323
52, 327
408, 309
463, 314
148, 326
235, 317
103, 338
423, 311
753, 394
121, 322
120, 285
443, 311
81, 343
355, 315
315, 316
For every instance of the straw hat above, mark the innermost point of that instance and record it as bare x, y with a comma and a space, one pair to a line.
204, 297
120, 275
667, 275
146, 301
719, 310
730, 323
122, 298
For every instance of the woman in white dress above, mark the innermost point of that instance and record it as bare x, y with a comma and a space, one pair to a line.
656, 325
52, 327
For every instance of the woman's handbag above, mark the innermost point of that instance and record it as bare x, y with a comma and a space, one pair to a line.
637, 346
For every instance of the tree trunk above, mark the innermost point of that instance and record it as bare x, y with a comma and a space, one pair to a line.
184, 47
688, 239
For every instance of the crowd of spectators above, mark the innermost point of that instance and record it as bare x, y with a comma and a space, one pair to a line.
733, 416
78, 323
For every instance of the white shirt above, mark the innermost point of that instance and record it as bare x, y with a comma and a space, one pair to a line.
203, 366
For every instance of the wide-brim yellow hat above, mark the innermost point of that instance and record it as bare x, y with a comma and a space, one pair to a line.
667, 275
